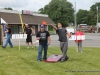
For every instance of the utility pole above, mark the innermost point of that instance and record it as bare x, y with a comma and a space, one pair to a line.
97, 18
75, 16
0, 32
1, 40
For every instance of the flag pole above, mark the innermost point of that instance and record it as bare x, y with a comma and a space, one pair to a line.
22, 28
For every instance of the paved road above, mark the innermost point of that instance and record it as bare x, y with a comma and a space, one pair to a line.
92, 40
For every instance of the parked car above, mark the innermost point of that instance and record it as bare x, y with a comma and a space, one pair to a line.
70, 30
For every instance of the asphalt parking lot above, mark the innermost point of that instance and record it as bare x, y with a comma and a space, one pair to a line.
91, 40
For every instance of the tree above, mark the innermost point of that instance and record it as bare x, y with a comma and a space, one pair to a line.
89, 17
82, 16
93, 8
8, 8
59, 11
41, 10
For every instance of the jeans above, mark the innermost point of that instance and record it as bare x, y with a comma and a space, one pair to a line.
8, 41
79, 46
40, 52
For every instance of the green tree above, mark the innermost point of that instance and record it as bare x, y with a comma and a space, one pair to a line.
41, 10
8, 8
82, 16
93, 13
59, 11
89, 17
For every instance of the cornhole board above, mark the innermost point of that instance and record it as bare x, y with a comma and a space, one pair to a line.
53, 58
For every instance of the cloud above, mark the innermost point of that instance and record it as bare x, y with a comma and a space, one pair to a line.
83, 4
35, 5
13, 3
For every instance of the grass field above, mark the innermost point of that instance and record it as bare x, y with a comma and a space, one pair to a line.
24, 62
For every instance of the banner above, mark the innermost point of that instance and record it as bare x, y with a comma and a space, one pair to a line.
19, 36
79, 37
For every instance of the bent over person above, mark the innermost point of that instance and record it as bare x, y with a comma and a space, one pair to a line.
63, 40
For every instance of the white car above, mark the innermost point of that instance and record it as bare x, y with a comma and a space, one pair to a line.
70, 30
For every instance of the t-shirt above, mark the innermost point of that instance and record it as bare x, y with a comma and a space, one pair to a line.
9, 30
62, 34
28, 30
79, 33
43, 37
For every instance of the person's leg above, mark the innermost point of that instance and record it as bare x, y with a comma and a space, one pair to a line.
80, 46
76, 46
31, 41
61, 46
40, 52
27, 40
10, 43
45, 52
27, 44
65, 48
7, 41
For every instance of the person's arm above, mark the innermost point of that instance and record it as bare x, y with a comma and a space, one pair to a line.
54, 26
32, 31
69, 35
7, 31
49, 40
25, 31
37, 36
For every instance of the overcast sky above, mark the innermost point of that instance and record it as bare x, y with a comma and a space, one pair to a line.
34, 5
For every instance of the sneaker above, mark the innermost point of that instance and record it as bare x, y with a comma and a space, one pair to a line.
2, 46
62, 60
38, 60
11, 47
66, 58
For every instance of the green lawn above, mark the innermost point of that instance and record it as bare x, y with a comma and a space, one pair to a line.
24, 62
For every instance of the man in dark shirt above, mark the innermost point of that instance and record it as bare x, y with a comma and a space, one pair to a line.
8, 33
29, 31
44, 40
63, 40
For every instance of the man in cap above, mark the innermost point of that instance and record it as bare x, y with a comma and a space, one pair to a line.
29, 31
8, 33
44, 40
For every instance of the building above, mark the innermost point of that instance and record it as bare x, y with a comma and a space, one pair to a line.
12, 18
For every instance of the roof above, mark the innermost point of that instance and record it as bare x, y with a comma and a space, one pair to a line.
13, 18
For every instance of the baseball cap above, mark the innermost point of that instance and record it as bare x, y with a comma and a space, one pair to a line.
42, 26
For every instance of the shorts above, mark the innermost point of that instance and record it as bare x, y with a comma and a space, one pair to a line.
29, 38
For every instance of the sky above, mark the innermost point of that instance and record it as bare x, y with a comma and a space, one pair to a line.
35, 5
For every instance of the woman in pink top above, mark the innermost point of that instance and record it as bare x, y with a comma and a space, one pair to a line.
79, 41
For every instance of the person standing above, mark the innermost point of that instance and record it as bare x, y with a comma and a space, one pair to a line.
44, 40
63, 40
29, 31
8, 33
79, 42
